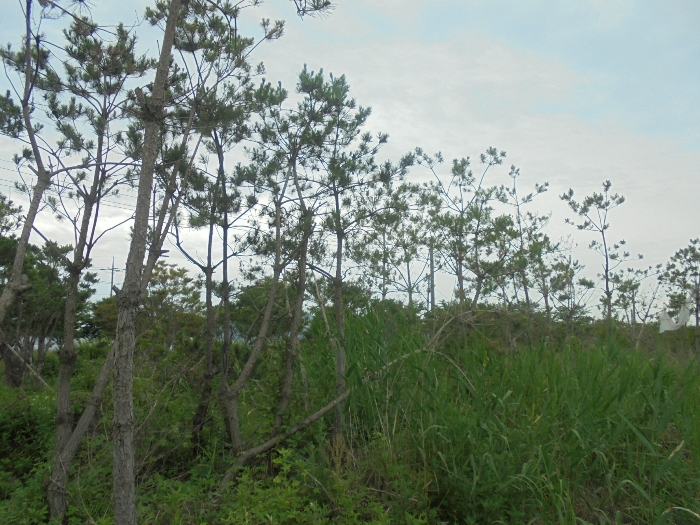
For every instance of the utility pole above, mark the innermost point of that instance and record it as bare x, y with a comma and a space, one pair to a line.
111, 286
432, 277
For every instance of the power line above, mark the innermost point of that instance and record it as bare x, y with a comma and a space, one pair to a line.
103, 202
122, 191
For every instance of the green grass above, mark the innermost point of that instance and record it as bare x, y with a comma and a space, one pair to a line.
464, 434
545, 435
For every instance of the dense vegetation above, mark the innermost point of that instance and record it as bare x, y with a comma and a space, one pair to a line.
301, 369
463, 432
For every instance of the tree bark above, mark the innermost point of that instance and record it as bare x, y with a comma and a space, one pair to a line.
129, 297
432, 276
292, 345
207, 387
339, 310
460, 280
226, 346
67, 355
41, 350
56, 492
18, 283
13, 366
409, 289
230, 397
203, 406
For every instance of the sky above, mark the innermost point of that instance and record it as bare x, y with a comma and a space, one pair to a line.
576, 93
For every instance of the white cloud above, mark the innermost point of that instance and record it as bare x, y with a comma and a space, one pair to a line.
464, 94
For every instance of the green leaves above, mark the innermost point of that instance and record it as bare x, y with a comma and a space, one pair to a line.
10, 216
11, 122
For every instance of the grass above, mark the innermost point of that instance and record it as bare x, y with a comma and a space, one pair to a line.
464, 434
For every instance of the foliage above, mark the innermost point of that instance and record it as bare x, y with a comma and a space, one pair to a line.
345, 394
10, 217
466, 433
171, 309
249, 303
682, 274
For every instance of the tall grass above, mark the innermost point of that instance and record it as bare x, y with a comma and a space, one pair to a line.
452, 431
540, 435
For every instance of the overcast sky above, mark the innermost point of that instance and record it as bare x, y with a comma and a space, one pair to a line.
575, 92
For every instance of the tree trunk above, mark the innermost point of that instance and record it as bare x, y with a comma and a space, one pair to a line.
130, 296
226, 346
203, 407
608, 291
339, 311
697, 319
17, 283
385, 265
477, 293
207, 386
14, 368
526, 288
66, 357
432, 276
460, 280
230, 397
409, 289
56, 492
41, 350
292, 345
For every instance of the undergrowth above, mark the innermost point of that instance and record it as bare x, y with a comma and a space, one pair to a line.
457, 432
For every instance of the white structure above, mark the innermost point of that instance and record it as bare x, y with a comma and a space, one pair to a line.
666, 323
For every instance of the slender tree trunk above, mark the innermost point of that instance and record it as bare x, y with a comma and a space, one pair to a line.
28, 346
41, 350
385, 265
409, 289
338, 307
17, 283
545, 291
56, 492
129, 298
203, 407
292, 345
526, 288
66, 358
608, 291
477, 292
432, 276
123, 423
226, 346
338, 281
233, 393
460, 280
339, 312
207, 387
697, 319
67, 355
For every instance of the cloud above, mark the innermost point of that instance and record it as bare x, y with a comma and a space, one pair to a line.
464, 94
570, 105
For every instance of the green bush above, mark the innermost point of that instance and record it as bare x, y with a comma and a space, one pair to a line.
49, 370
